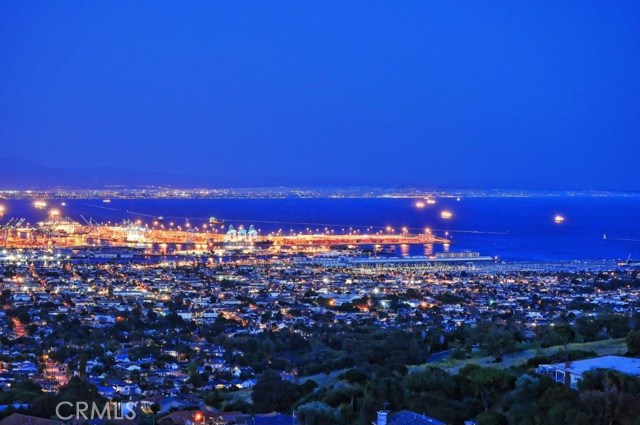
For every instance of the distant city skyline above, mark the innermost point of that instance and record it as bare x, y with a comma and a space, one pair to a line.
498, 95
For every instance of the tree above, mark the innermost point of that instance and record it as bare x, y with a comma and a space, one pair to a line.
552, 338
499, 342
491, 418
272, 393
82, 364
430, 379
386, 387
610, 405
487, 383
44, 405
212, 398
609, 396
537, 399
5, 296
633, 342
79, 390
317, 413
308, 386
433, 391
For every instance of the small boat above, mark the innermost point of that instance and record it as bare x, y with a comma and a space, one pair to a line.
558, 219
106, 201
446, 215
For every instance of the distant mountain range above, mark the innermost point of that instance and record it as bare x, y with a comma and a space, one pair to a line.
21, 173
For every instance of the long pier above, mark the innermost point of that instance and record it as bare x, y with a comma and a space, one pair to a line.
63, 232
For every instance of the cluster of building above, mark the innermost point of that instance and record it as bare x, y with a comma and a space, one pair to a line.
280, 192
253, 295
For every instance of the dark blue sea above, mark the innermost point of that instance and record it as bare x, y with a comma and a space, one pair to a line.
511, 228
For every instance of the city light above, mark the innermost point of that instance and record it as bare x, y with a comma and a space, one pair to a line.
142, 148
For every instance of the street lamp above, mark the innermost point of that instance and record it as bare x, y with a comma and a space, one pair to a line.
198, 417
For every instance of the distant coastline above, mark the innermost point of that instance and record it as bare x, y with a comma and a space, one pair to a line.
156, 192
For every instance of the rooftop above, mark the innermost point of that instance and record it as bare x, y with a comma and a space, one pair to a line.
630, 366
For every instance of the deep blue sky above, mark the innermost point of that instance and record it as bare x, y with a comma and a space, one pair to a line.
502, 94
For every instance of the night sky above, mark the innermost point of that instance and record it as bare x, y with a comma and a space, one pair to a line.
452, 94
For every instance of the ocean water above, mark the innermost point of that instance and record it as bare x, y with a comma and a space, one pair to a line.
511, 228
